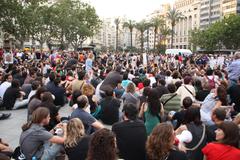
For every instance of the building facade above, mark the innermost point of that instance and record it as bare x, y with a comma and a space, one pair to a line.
161, 12
210, 12
190, 10
230, 7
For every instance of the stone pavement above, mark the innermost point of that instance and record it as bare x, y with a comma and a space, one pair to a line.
10, 129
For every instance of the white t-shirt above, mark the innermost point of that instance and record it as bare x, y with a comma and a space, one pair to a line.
183, 92
3, 87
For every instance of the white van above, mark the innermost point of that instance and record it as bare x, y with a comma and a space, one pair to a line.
185, 52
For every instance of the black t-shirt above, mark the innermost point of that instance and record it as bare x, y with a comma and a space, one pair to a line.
112, 79
202, 94
176, 155
79, 152
131, 138
109, 110
53, 114
179, 116
161, 91
10, 97
58, 92
234, 93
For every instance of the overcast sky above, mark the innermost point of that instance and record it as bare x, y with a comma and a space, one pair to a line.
132, 9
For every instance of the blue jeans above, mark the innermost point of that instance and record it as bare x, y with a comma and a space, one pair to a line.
51, 151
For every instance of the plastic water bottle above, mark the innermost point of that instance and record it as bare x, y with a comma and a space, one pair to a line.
34, 158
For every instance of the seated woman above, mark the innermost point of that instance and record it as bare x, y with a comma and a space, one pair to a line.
192, 135
226, 147
160, 144
76, 143
35, 141
102, 146
35, 100
213, 100
48, 102
151, 110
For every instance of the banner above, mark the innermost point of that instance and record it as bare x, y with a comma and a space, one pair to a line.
8, 58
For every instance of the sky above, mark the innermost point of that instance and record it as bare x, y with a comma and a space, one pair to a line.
132, 9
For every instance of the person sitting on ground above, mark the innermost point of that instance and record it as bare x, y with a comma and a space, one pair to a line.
226, 147
76, 143
234, 93
130, 95
47, 101
125, 80
192, 135
5, 84
78, 83
35, 141
151, 111
160, 144
179, 116
13, 97
89, 122
35, 100
35, 86
187, 89
171, 101
109, 113
131, 134
88, 90
102, 146
161, 88
58, 92
218, 117
213, 100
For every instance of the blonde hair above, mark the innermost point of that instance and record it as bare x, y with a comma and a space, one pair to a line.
75, 131
131, 88
88, 90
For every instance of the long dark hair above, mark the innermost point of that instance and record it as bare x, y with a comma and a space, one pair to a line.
222, 94
154, 104
231, 134
102, 146
37, 116
38, 93
192, 115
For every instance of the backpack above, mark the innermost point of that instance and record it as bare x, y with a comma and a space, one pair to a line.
211, 82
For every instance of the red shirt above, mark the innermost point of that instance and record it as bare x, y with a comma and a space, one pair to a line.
217, 151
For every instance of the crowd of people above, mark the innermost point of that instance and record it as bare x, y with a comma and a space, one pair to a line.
170, 108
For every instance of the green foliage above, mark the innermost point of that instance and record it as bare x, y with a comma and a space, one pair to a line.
69, 21
157, 23
142, 27
174, 16
222, 33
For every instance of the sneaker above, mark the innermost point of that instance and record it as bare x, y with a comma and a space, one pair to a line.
5, 116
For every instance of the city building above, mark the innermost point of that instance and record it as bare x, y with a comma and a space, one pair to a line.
210, 12
230, 7
190, 10
161, 12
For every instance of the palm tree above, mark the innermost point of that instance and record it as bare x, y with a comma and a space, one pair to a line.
117, 22
130, 25
142, 27
173, 15
156, 23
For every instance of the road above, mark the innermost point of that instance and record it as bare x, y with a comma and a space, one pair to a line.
10, 129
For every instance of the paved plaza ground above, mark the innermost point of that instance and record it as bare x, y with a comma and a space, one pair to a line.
10, 129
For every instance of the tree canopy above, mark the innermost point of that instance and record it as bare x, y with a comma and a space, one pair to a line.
222, 34
69, 21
